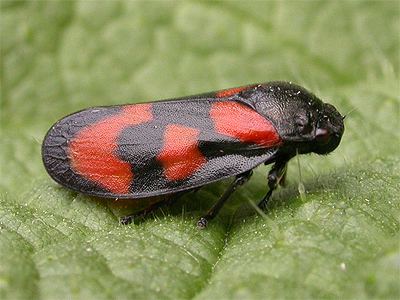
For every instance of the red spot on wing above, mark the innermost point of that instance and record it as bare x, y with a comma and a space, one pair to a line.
92, 150
180, 155
243, 123
231, 92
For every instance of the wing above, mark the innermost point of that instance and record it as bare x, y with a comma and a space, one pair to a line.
143, 150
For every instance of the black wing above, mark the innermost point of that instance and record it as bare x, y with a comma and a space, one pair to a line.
144, 150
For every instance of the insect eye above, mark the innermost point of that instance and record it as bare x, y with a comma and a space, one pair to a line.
322, 136
302, 124
326, 118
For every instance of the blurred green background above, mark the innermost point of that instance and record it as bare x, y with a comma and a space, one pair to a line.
339, 240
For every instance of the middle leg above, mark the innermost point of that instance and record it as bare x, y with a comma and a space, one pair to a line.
239, 180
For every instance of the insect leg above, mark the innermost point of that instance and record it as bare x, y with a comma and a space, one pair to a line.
239, 180
276, 176
125, 220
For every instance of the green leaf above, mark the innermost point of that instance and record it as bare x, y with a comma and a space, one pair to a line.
339, 239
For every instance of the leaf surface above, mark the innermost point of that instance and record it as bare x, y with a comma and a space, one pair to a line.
339, 239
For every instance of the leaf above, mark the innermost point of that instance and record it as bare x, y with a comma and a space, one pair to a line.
339, 240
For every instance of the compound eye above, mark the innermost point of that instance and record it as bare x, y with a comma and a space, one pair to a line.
322, 136
302, 124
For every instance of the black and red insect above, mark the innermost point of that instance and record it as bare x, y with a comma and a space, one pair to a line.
143, 150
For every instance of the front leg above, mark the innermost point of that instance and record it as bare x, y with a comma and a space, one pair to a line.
276, 177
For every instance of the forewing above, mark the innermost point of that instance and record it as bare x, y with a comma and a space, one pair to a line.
142, 150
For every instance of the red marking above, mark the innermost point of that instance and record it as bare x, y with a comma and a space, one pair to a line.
92, 150
243, 123
180, 155
231, 92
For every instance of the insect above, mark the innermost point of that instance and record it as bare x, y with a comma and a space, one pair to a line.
138, 151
